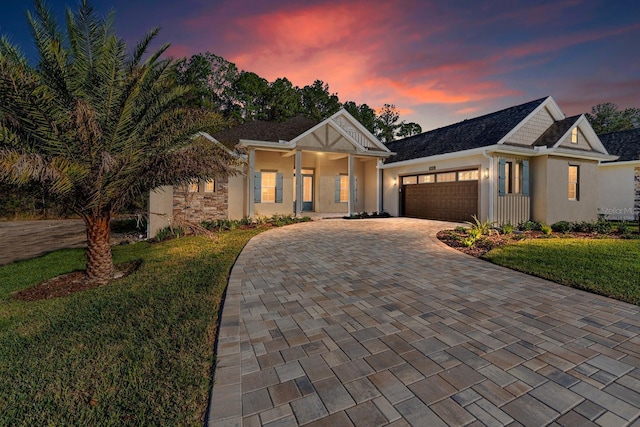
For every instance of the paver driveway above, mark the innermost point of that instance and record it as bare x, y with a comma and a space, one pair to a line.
375, 322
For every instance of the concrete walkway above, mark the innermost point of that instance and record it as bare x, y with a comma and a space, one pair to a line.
375, 322
28, 239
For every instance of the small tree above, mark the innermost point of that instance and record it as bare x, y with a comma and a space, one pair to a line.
607, 117
97, 126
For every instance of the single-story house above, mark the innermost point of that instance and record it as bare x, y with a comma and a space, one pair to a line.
620, 179
525, 162
291, 168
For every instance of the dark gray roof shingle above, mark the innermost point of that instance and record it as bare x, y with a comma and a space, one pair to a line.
625, 144
555, 132
469, 134
265, 131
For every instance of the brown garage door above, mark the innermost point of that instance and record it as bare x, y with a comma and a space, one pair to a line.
447, 201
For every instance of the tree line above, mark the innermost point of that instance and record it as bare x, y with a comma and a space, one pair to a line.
241, 96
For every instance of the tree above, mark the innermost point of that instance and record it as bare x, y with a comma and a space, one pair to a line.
363, 113
607, 117
211, 77
97, 126
386, 123
408, 129
249, 96
283, 100
317, 102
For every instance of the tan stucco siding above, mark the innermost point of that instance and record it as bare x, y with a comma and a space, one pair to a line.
392, 177
533, 128
273, 161
558, 205
326, 171
237, 196
160, 209
617, 192
370, 188
538, 188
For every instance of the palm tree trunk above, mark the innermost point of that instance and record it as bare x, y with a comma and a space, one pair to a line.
100, 267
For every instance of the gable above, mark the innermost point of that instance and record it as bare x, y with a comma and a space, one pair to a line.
357, 132
581, 144
532, 129
325, 138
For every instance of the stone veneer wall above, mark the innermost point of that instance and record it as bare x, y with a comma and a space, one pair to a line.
201, 206
636, 204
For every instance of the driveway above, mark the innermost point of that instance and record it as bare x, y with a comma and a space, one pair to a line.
27, 239
375, 322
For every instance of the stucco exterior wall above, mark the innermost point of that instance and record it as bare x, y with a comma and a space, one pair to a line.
272, 161
538, 188
392, 176
617, 191
370, 190
237, 196
558, 205
160, 210
533, 128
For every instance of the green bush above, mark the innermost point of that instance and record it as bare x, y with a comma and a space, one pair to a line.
460, 229
529, 226
507, 228
546, 229
474, 233
483, 227
468, 242
562, 227
602, 226
169, 232
623, 228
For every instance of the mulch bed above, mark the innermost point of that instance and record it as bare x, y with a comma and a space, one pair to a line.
70, 283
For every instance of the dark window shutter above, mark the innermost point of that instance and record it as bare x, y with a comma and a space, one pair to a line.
279, 188
525, 177
501, 177
355, 189
257, 187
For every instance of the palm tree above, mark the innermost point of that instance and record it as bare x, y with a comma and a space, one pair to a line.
96, 125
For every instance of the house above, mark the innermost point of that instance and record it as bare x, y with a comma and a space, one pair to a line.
290, 168
620, 179
525, 162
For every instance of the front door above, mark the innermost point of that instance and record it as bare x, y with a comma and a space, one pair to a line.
307, 192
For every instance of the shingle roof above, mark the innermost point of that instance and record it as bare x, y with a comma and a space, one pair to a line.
625, 144
473, 133
556, 131
265, 131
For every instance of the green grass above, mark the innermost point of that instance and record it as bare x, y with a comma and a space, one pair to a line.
609, 267
136, 352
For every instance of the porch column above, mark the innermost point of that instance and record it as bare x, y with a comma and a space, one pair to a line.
298, 183
352, 186
379, 183
251, 192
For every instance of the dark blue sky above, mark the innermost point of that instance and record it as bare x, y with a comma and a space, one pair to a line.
439, 62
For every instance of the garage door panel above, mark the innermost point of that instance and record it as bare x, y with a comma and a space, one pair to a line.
448, 201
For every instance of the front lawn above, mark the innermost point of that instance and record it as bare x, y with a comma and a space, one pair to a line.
609, 267
138, 351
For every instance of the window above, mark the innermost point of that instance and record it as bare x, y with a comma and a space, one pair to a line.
426, 179
573, 182
209, 186
574, 135
344, 188
193, 187
468, 175
513, 177
268, 187
407, 180
446, 177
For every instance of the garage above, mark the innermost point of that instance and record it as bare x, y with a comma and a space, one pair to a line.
446, 196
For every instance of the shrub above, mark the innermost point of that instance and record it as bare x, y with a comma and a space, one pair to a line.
633, 236
529, 226
468, 242
474, 233
602, 226
562, 227
623, 227
169, 232
507, 228
484, 228
546, 229
460, 229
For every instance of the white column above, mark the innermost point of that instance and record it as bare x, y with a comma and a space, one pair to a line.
379, 183
352, 185
299, 188
252, 184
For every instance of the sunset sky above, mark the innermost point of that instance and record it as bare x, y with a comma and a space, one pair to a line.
439, 62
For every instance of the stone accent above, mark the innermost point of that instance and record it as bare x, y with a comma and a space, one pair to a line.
201, 206
636, 204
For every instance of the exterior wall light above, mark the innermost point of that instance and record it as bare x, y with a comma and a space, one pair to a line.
486, 173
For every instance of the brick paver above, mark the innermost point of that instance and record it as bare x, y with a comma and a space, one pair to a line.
375, 322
